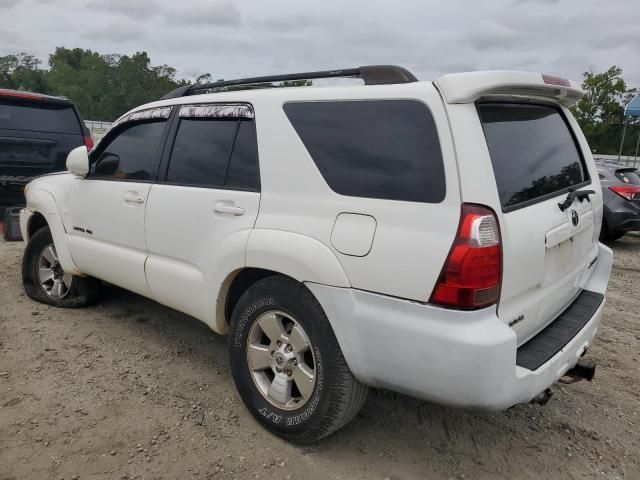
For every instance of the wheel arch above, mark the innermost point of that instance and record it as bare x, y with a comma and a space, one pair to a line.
275, 252
36, 222
42, 208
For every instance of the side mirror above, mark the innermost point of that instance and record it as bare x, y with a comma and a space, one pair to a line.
78, 161
107, 164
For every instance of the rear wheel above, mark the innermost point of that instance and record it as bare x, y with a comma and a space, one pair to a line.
287, 364
45, 281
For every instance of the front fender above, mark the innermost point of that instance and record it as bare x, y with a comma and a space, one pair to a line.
42, 202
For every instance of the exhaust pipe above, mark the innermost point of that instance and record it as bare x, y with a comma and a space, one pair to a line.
583, 370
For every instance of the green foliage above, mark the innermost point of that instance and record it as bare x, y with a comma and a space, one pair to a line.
600, 112
22, 71
102, 86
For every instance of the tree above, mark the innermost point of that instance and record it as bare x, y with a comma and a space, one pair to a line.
600, 112
204, 78
22, 72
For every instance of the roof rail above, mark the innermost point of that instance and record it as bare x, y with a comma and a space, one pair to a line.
371, 74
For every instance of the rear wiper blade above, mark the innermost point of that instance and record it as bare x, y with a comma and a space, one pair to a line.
573, 194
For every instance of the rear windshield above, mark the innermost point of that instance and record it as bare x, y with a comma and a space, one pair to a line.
628, 176
533, 152
38, 117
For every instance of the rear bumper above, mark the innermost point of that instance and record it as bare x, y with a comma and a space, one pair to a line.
462, 359
622, 216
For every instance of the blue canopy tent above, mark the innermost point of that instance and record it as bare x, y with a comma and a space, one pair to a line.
631, 110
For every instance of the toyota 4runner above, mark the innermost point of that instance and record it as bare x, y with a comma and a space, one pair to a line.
438, 239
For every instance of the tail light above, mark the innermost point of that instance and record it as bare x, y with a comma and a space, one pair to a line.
12, 93
628, 192
472, 275
553, 80
88, 142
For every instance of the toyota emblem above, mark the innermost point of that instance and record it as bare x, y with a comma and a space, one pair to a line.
575, 218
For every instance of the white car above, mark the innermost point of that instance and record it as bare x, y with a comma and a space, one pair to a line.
438, 239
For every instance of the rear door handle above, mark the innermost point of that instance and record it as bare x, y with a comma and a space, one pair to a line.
228, 208
133, 197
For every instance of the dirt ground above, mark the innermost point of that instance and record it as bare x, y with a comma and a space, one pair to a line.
130, 389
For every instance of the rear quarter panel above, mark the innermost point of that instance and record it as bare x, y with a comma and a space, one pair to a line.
412, 239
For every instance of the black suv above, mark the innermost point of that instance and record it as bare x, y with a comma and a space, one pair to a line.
36, 134
621, 196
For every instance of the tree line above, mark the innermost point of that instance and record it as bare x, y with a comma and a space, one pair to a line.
104, 86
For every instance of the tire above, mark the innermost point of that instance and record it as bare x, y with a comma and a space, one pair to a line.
75, 291
327, 404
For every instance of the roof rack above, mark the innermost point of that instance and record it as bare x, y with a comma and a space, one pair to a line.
371, 74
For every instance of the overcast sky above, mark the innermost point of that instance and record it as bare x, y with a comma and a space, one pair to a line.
231, 38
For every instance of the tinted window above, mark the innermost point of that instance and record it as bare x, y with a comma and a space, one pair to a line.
201, 152
378, 149
38, 117
132, 154
532, 151
628, 176
244, 172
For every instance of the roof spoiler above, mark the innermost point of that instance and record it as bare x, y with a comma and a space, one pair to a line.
471, 86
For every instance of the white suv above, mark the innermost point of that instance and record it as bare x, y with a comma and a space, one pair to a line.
438, 239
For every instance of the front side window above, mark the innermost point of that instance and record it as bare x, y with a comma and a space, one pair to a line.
533, 152
387, 149
132, 153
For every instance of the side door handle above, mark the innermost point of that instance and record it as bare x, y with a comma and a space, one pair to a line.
133, 197
228, 208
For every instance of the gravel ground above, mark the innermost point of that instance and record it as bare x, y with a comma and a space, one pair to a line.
130, 389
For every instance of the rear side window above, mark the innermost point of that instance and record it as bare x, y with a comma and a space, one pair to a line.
386, 149
131, 154
38, 117
201, 152
628, 176
215, 153
244, 171
533, 152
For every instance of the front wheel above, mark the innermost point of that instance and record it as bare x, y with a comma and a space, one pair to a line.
287, 364
45, 281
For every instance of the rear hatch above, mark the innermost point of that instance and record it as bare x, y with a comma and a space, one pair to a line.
36, 134
549, 241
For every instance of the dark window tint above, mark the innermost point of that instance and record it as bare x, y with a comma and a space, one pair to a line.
201, 152
244, 172
628, 176
38, 117
132, 154
532, 150
378, 149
